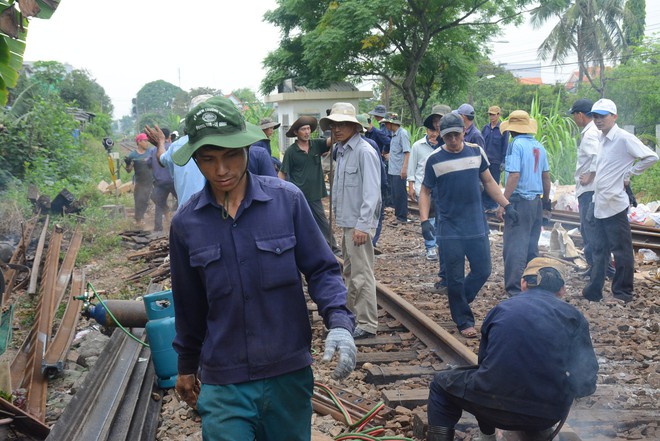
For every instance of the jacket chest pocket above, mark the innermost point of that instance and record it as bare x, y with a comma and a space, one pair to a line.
351, 176
213, 270
277, 262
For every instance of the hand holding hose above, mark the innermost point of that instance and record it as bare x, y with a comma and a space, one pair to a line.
339, 339
187, 389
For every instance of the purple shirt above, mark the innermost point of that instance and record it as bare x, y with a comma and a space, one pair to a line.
161, 174
240, 310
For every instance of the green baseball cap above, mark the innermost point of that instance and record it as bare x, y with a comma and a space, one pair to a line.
216, 122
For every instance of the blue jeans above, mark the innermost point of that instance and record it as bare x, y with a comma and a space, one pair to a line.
461, 289
272, 409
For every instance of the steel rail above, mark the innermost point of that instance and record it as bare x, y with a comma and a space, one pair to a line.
38, 385
91, 412
32, 287
450, 350
17, 258
53, 361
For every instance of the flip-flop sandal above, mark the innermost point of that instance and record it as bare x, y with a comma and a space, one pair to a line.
469, 332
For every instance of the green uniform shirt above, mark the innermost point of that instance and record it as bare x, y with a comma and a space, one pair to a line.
305, 170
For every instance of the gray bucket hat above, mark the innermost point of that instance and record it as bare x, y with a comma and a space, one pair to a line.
267, 123
438, 109
379, 110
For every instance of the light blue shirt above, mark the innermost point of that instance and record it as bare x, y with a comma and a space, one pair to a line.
528, 157
188, 180
399, 146
356, 195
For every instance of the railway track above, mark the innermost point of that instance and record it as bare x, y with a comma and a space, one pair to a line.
410, 346
643, 236
416, 339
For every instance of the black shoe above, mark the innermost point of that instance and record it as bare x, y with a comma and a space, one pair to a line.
440, 284
437, 433
591, 298
360, 333
625, 297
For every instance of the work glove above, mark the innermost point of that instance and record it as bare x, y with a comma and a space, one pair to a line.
547, 204
631, 196
427, 230
589, 217
339, 339
511, 214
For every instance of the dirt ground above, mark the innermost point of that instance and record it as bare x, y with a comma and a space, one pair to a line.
625, 336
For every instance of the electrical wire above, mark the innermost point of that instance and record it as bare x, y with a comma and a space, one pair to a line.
358, 431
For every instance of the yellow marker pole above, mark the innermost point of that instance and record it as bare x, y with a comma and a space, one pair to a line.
111, 165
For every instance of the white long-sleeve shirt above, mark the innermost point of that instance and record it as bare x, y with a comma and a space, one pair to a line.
421, 150
621, 155
587, 157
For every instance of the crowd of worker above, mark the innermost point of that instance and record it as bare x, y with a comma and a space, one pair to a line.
250, 226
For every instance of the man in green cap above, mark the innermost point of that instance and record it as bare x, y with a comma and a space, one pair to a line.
238, 249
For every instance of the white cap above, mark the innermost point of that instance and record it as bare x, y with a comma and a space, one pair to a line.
604, 106
199, 99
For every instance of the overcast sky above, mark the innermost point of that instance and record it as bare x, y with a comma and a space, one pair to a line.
125, 44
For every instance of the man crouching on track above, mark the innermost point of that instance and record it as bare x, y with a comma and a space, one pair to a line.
454, 172
535, 357
237, 249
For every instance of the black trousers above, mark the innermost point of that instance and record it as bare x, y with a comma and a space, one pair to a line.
159, 195
141, 194
583, 203
488, 202
521, 241
399, 197
445, 410
614, 236
322, 221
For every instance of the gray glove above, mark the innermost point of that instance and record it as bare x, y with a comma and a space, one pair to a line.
342, 340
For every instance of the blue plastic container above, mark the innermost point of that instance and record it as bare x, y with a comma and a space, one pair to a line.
161, 332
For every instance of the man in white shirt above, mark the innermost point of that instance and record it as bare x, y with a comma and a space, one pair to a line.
622, 155
585, 170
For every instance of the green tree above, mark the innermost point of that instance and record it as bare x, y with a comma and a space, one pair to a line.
157, 97
634, 21
589, 28
635, 88
246, 95
77, 88
181, 103
415, 46
13, 32
81, 88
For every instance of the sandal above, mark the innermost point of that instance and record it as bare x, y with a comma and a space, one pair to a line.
469, 332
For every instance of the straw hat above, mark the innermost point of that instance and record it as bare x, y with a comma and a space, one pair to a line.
520, 122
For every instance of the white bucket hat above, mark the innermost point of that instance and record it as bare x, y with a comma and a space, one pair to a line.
340, 112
